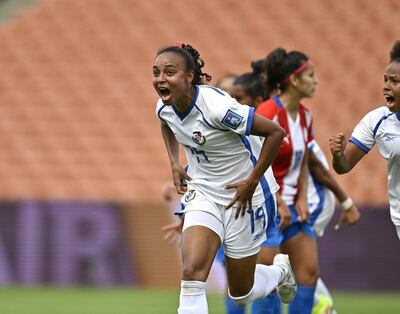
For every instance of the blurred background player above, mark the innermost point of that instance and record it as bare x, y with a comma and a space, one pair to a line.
381, 127
228, 197
226, 82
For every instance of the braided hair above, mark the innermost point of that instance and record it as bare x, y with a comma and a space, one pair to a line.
193, 62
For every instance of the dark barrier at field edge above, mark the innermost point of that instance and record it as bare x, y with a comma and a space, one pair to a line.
365, 256
64, 243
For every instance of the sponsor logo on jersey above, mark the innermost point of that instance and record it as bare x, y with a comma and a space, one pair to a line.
232, 119
190, 194
198, 138
389, 138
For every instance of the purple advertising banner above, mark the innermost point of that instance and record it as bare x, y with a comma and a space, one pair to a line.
364, 256
63, 243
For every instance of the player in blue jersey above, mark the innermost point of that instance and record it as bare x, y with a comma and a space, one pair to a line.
381, 127
228, 191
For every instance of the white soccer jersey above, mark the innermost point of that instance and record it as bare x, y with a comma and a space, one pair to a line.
321, 200
215, 135
382, 127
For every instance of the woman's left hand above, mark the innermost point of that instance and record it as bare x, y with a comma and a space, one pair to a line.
243, 197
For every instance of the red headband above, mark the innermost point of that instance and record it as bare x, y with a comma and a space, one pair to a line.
298, 70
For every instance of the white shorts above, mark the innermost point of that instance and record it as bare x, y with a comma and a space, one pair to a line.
240, 237
326, 214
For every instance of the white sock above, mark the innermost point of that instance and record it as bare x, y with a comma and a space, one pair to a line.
321, 289
193, 298
266, 279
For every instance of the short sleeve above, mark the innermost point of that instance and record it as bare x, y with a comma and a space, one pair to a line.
160, 106
363, 134
231, 115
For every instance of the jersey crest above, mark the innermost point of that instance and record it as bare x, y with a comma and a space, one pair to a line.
198, 138
190, 194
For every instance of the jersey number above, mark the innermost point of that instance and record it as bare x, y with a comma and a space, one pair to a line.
199, 153
256, 215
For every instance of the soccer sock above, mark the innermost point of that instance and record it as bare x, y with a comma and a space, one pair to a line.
304, 300
232, 308
322, 289
322, 298
193, 298
266, 279
271, 304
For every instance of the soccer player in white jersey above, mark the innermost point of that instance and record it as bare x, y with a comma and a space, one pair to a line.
228, 192
381, 127
322, 190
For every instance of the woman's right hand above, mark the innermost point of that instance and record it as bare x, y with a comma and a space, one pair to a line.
180, 178
337, 144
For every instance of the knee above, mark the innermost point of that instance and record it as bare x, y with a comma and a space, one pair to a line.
191, 272
242, 300
308, 276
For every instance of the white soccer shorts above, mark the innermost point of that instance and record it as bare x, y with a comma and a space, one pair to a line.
241, 237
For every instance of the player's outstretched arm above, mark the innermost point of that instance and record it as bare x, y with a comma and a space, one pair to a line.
344, 158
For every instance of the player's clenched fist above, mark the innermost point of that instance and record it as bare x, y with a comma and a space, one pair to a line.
337, 144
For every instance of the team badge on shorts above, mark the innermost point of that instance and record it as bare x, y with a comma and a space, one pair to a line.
190, 194
198, 138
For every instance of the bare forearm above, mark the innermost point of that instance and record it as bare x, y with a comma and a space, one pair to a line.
303, 178
268, 153
340, 164
325, 177
171, 144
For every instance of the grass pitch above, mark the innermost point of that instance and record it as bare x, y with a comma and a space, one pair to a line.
154, 301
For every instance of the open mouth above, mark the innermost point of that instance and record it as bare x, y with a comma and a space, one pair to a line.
164, 92
389, 99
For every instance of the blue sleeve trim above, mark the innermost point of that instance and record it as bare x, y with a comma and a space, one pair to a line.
360, 145
250, 119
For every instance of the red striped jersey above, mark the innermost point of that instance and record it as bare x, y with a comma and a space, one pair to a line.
299, 133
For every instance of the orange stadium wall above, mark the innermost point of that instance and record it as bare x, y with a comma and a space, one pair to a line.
158, 264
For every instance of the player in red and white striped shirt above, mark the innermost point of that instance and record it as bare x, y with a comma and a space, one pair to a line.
292, 73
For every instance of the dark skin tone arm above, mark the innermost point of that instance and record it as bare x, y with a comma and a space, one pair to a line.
273, 135
325, 177
344, 158
179, 173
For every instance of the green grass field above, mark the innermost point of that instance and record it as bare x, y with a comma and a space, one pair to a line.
150, 301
